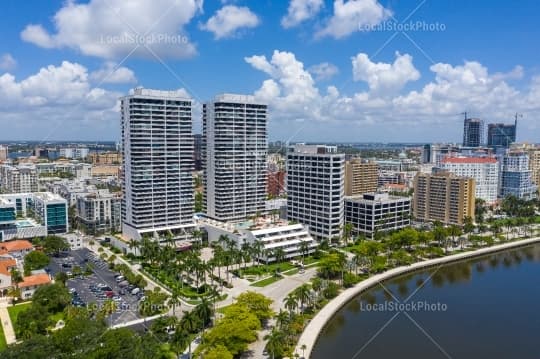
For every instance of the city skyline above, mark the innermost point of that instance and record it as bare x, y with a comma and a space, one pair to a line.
321, 66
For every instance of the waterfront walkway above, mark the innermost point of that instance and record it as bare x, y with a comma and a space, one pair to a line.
316, 325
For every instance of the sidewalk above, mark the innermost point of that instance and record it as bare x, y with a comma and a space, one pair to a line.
9, 332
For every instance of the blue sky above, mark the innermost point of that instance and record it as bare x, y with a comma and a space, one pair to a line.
329, 70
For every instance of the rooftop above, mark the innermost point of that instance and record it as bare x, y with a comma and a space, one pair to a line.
6, 264
471, 160
16, 245
36, 279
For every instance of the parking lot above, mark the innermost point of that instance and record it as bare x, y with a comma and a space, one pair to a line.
101, 285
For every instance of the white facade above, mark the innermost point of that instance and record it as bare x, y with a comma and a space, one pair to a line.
316, 188
157, 143
377, 212
79, 170
74, 152
99, 212
18, 179
484, 170
273, 237
234, 157
516, 176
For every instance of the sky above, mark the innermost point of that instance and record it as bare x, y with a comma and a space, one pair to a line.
330, 70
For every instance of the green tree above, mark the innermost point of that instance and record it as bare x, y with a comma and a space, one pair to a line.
35, 260
257, 304
276, 343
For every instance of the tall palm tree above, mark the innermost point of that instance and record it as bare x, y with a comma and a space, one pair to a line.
275, 342
303, 295
282, 319
189, 324
291, 303
204, 311
179, 340
304, 249
174, 301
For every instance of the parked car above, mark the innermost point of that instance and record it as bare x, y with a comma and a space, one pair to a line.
135, 291
123, 283
120, 279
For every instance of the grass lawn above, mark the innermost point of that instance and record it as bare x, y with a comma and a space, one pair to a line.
292, 272
265, 282
262, 269
15, 310
3, 344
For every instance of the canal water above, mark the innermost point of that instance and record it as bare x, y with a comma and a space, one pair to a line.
487, 307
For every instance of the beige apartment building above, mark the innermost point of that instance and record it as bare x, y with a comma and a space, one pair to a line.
443, 197
534, 164
105, 158
360, 177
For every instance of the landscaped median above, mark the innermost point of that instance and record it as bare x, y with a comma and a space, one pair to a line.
312, 331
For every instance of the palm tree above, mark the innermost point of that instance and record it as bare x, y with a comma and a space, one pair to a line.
279, 253
282, 319
347, 230
304, 249
276, 342
303, 349
291, 303
174, 300
189, 324
204, 311
303, 294
180, 340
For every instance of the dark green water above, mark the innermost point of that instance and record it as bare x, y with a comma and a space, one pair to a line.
483, 308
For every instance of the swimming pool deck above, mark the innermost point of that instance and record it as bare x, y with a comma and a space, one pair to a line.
316, 325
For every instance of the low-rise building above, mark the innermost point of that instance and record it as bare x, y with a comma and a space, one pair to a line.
6, 266
31, 283
29, 215
274, 236
99, 212
377, 212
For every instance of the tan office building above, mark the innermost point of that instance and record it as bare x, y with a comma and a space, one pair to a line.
105, 158
534, 165
360, 177
443, 197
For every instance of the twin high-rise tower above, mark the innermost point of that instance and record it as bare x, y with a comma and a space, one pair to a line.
234, 157
157, 141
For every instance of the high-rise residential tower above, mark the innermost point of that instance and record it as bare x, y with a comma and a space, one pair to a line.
360, 177
473, 132
234, 157
315, 189
484, 170
443, 197
157, 143
501, 135
516, 176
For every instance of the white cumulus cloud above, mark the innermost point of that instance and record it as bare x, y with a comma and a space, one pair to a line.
113, 28
384, 78
109, 73
300, 11
293, 95
228, 20
351, 16
323, 71
7, 62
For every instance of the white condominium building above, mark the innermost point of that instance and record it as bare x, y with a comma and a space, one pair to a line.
18, 179
234, 157
157, 143
484, 170
315, 189
516, 176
